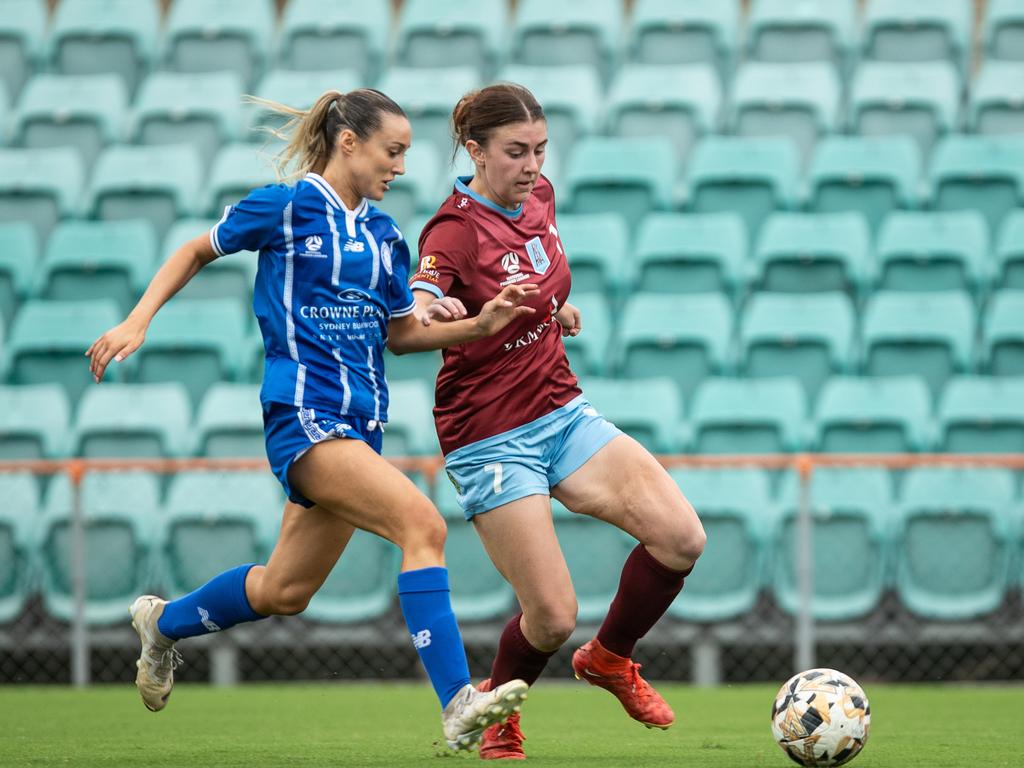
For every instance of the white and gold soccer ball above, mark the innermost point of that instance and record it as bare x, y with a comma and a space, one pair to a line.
820, 718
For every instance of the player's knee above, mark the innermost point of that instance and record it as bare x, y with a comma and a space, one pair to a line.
424, 530
689, 541
285, 599
552, 625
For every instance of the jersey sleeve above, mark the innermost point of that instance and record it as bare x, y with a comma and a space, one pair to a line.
400, 296
249, 224
446, 248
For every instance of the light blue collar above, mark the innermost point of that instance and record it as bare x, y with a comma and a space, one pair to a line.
462, 185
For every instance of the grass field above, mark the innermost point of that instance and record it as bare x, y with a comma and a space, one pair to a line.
398, 725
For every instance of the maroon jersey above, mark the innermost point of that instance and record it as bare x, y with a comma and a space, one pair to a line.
470, 250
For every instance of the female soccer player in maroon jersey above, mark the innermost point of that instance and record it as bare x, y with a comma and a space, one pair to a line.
516, 429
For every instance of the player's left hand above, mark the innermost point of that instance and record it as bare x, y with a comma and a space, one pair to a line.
445, 309
570, 319
506, 307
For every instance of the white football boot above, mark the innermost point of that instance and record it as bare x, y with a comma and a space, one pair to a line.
471, 711
158, 659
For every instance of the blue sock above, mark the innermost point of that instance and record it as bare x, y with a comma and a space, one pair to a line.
218, 604
427, 607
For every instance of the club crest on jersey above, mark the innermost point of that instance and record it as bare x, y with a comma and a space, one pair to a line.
538, 257
314, 248
385, 256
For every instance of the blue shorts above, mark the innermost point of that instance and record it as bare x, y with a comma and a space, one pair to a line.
291, 431
529, 459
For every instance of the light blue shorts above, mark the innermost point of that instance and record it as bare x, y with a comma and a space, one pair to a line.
529, 459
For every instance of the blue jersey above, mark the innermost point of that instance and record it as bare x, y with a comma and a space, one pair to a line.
329, 281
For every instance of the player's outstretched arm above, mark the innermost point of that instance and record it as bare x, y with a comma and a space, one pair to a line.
411, 334
123, 339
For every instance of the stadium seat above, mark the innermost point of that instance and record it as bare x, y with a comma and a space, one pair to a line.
226, 277
229, 423
47, 342
691, 253
808, 336
120, 512
873, 415
40, 186
954, 516
810, 30
229, 35
434, 33
420, 189
849, 505
735, 509
1003, 335
981, 172
920, 100
938, 30
692, 31
997, 97
105, 37
160, 184
237, 170
336, 34
795, 101
97, 260
1004, 30
132, 421
23, 435
410, 425
428, 97
18, 522
362, 585
919, 251
214, 521
649, 410
1009, 253
686, 338
982, 414
419, 366
871, 176
204, 110
568, 32
597, 246
927, 334
19, 258
22, 31
748, 416
813, 252
682, 103
294, 89
85, 112
193, 341
751, 176
588, 353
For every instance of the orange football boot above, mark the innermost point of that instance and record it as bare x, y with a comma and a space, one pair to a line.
502, 741
599, 666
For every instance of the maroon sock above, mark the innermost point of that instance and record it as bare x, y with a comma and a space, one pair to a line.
516, 658
646, 590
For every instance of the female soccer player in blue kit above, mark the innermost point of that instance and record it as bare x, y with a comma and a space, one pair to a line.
331, 290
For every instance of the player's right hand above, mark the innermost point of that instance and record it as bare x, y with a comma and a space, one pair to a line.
116, 344
506, 307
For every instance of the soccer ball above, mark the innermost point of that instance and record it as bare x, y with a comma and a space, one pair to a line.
820, 718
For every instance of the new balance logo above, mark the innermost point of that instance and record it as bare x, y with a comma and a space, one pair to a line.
355, 246
204, 617
421, 639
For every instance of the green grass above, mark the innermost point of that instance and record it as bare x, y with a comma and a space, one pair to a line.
398, 725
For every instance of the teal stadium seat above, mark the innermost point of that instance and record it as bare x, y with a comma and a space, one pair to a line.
361, 587
86, 112
980, 172
336, 34
588, 353
961, 516
735, 508
419, 190
938, 30
795, 101
814, 252
926, 334
435, 33
808, 336
410, 426
159, 184
982, 414
237, 170
294, 89
748, 416
225, 277
97, 260
751, 176
202, 109
19, 259
684, 32
193, 341
23, 434
597, 246
873, 415
229, 423
230, 35
116, 37
214, 521
997, 97
627, 176
649, 410
48, 340
18, 532
926, 251
682, 103
568, 32
131, 421
691, 253
810, 30
849, 505
40, 186
1003, 335
22, 31
687, 338
871, 176
428, 97
1009, 253
1004, 30
120, 512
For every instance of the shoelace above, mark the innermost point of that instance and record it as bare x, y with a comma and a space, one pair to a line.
637, 683
168, 660
509, 733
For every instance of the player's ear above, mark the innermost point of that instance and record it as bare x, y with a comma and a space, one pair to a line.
347, 141
476, 152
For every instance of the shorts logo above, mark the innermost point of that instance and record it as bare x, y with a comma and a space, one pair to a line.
454, 482
314, 243
510, 262
421, 639
538, 256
